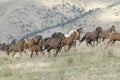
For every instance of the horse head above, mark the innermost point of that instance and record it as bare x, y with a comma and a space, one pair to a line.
80, 30
113, 28
99, 29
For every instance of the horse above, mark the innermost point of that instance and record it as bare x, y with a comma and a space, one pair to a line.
39, 38
113, 38
37, 48
92, 36
57, 34
5, 47
2, 45
70, 39
54, 43
17, 47
78, 32
105, 34
30, 42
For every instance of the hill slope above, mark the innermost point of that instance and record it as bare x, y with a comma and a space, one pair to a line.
20, 18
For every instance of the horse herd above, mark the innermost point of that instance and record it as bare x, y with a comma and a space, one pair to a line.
59, 40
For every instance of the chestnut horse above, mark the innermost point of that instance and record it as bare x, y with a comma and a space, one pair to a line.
37, 48
92, 36
113, 38
78, 31
30, 42
17, 47
70, 39
105, 34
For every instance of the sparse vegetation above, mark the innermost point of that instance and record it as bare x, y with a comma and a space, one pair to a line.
87, 63
24, 18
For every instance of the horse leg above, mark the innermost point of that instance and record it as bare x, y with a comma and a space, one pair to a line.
74, 43
13, 54
113, 42
31, 54
89, 42
79, 41
93, 43
25, 52
36, 53
103, 39
97, 41
65, 47
42, 52
69, 46
48, 50
20, 53
108, 43
8, 52
57, 50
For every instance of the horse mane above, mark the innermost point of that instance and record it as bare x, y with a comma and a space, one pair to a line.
26, 40
69, 34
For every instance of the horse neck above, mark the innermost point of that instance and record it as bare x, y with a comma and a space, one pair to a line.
97, 32
79, 33
109, 30
21, 43
72, 37
32, 41
41, 43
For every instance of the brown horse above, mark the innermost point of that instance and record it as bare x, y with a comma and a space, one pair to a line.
78, 32
54, 43
30, 42
113, 38
17, 47
70, 39
92, 36
105, 34
37, 48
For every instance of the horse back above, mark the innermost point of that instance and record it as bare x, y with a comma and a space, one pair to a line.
104, 34
90, 35
115, 36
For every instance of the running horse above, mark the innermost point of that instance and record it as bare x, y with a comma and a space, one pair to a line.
78, 32
92, 36
113, 38
105, 34
54, 42
17, 47
37, 48
30, 42
70, 38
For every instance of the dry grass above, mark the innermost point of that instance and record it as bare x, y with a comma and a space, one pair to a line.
81, 63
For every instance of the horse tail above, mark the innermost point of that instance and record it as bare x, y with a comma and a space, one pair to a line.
83, 38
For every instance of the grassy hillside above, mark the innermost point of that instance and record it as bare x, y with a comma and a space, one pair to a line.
81, 63
20, 18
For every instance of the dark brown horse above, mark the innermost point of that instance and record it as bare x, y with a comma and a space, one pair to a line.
92, 36
54, 43
17, 47
105, 34
5, 47
2, 46
113, 38
37, 48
